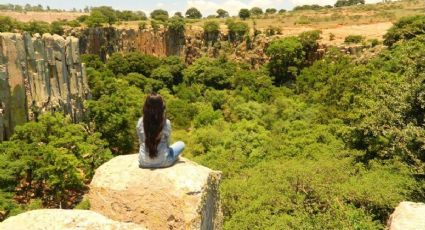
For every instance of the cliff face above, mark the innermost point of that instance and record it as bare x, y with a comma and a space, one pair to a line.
37, 74
189, 45
105, 41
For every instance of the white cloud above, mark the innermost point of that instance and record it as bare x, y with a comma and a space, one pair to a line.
160, 5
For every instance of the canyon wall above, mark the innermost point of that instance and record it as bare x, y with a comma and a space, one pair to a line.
107, 40
161, 43
37, 74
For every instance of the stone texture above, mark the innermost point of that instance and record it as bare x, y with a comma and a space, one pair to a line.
408, 216
190, 45
105, 41
184, 196
50, 219
39, 73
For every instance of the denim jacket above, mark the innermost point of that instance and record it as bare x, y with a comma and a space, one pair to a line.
163, 159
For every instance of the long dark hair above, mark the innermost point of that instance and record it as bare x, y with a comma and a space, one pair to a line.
153, 122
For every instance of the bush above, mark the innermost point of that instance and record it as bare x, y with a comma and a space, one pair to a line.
46, 163
237, 30
356, 39
7, 24
133, 62
211, 31
160, 15
193, 13
341, 3
286, 56
244, 14
405, 29
210, 72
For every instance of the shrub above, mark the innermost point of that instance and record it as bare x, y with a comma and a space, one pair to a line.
237, 30
46, 163
356, 39
244, 14
405, 29
286, 56
160, 15
193, 13
211, 31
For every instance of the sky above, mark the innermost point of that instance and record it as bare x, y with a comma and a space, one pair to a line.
207, 7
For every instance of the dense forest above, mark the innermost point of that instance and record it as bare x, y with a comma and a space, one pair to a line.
332, 144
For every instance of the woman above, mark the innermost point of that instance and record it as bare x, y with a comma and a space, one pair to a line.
154, 132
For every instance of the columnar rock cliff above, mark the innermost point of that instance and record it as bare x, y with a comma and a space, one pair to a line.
105, 41
39, 73
189, 45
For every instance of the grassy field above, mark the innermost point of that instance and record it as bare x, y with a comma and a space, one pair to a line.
369, 20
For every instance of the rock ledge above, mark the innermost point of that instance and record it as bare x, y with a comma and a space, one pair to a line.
184, 196
64, 219
408, 216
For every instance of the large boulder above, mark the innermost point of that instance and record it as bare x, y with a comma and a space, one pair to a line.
64, 219
408, 216
184, 196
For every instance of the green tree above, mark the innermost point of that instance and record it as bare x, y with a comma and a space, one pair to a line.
405, 29
7, 24
237, 30
222, 13
286, 56
56, 27
109, 14
244, 14
211, 31
193, 13
96, 19
271, 11
49, 160
160, 15
37, 27
256, 11
209, 72
133, 62
178, 14
116, 112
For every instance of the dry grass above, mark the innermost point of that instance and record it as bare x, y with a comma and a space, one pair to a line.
41, 16
370, 20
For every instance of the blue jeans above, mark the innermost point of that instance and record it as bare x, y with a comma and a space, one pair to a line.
175, 150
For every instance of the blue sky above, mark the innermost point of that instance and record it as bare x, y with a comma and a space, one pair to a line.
206, 6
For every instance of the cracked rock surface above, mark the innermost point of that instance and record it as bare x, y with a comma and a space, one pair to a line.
184, 196
64, 220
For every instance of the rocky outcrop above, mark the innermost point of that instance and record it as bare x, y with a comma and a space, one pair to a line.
108, 40
189, 45
64, 219
39, 73
408, 216
184, 196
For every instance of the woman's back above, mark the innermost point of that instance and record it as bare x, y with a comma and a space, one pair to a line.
163, 148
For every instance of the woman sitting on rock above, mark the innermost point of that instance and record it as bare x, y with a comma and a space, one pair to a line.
154, 132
